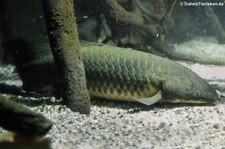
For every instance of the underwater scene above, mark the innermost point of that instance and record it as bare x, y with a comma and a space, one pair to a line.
112, 74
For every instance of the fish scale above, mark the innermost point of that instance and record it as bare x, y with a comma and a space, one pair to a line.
115, 73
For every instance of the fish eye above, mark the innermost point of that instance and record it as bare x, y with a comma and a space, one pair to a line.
197, 93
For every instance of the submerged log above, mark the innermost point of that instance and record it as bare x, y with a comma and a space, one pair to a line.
64, 41
18, 119
215, 26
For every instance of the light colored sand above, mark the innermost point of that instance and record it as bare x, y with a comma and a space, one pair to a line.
119, 126
202, 50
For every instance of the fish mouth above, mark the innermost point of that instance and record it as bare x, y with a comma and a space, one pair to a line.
185, 101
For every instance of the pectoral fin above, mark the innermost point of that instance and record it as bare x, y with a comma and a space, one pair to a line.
151, 100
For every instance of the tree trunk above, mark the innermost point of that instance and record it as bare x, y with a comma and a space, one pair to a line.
64, 41
214, 24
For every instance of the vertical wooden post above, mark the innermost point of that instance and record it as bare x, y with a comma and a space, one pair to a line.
64, 41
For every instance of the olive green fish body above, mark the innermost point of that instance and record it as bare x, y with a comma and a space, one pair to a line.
139, 70
115, 73
122, 74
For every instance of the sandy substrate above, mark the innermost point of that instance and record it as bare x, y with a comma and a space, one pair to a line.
205, 50
135, 126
